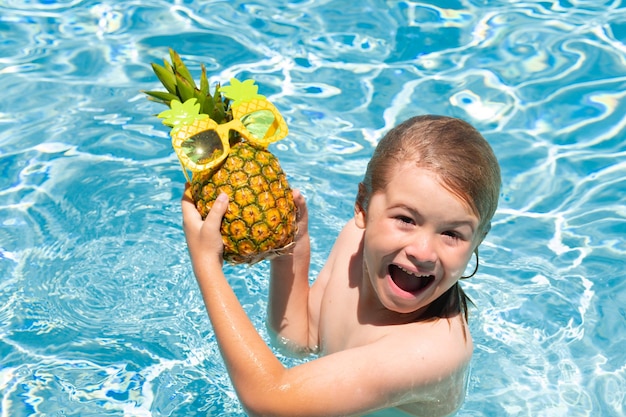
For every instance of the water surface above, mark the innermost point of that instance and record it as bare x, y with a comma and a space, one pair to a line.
99, 310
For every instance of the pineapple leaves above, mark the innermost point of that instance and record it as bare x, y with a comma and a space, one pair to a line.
240, 91
208, 107
181, 113
204, 82
161, 96
207, 104
167, 78
185, 89
181, 87
168, 66
181, 68
220, 105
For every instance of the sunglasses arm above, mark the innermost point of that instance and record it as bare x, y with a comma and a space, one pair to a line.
184, 169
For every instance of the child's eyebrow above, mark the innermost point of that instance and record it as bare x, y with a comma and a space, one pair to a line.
470, 221
459, 223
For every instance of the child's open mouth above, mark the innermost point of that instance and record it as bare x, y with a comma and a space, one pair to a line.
408, 281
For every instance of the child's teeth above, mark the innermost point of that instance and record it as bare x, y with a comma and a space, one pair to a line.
412, 273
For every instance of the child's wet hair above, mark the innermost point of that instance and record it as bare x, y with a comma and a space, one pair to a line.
449, 147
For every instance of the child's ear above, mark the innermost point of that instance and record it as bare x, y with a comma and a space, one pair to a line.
359, 211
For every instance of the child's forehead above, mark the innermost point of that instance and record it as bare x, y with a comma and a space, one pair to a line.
416, 184
410, 171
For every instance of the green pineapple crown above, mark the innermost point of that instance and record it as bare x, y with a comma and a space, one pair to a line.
188, 102
180, 86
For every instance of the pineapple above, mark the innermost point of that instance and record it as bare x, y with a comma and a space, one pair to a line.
261, 216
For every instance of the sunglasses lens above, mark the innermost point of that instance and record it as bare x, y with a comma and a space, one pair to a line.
203, 147
261, 124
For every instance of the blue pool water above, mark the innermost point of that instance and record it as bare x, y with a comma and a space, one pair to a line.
99, 311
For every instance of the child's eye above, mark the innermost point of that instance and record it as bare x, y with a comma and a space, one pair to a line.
452, 234
405, 219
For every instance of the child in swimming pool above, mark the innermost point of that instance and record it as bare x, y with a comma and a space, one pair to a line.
386, 313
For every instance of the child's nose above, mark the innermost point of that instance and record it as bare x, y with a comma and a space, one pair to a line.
422, 249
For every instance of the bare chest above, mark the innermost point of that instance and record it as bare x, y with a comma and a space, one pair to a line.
340, 325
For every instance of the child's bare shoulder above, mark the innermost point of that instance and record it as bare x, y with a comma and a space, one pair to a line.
449, 336
433, 357
349, 236
347, 244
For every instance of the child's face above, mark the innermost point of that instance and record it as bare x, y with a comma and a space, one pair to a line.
418, 239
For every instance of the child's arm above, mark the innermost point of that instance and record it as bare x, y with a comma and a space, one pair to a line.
403, 367
287, 310
248, 359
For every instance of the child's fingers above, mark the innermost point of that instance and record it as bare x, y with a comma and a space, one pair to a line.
300, 204
297, 195
220, 206
187, 196
298, 198
190, 212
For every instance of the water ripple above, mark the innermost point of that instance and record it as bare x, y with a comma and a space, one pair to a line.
99, 311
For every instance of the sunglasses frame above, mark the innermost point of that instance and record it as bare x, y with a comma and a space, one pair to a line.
276, 131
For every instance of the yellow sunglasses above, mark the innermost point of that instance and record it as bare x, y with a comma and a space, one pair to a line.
202, 144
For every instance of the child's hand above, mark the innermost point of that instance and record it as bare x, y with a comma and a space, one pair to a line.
302, 215
204, 239
302, 227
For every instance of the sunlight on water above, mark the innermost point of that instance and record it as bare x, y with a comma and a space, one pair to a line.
99, 311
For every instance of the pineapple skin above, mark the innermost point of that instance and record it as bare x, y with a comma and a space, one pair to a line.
261, 216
